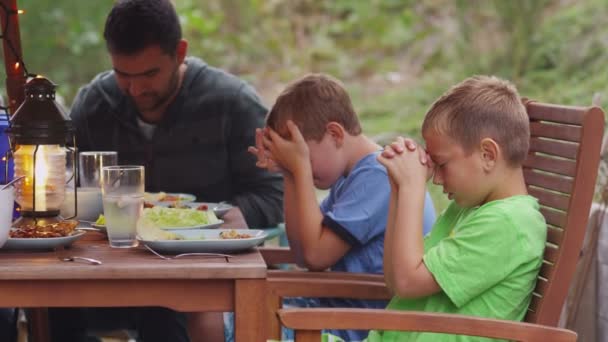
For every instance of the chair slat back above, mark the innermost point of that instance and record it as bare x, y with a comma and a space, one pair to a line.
560, 172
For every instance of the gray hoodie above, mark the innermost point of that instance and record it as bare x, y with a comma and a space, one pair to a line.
199, 147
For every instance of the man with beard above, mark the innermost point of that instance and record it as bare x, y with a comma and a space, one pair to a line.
188, 123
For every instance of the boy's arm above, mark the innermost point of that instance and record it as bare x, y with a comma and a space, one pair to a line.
318, 245
410, 276
388, 237
291, 221
406, 274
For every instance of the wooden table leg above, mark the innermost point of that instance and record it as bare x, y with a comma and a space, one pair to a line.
38, 325
271, 320
249, 309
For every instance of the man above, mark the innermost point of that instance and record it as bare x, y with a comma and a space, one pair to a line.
188, 123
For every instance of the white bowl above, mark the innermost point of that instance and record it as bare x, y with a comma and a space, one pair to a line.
89, 204
7, 202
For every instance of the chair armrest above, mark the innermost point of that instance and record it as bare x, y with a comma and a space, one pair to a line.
333, 318
277, 255
327, 284
345, 276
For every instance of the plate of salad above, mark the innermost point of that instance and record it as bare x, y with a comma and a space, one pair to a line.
181, 218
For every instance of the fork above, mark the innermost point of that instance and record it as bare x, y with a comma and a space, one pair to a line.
164, 257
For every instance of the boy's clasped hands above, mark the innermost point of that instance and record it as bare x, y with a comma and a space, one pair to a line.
277, 153
407, 163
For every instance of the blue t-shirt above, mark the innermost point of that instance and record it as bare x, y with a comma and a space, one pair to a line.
356, 209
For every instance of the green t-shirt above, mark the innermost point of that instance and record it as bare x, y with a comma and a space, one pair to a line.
485, 259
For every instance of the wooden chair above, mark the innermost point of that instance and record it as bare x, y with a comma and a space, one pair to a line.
560, 172
308, 324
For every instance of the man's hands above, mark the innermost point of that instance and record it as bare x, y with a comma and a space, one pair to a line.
406, 163
278, 154
234, 219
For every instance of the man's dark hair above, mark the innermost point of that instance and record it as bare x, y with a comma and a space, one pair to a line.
133, 25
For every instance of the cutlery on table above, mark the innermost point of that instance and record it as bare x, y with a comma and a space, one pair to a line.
81, 259
171, 257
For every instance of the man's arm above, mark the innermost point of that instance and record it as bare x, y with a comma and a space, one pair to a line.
77, 115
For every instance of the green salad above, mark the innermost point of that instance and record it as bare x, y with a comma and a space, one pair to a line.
172, 217
101, 220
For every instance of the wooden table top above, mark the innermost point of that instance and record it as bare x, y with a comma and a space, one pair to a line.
125, 263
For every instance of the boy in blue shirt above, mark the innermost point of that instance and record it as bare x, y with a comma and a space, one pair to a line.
314, 138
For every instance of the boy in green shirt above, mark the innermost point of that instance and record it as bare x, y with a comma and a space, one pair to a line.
483, 255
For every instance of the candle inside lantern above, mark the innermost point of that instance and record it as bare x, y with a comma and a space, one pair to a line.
49, 173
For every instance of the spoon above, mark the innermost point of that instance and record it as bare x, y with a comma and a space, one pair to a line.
93, 229
83, 259
11, 182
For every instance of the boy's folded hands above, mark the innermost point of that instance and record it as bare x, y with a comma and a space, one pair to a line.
280, 154
406, 162
264, 157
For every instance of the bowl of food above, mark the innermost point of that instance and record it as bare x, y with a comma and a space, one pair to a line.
89, 204
221, 209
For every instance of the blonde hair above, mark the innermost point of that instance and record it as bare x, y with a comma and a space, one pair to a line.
311, 102
480, 107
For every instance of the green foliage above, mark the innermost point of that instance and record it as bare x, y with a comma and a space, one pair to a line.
63, 41
395, 56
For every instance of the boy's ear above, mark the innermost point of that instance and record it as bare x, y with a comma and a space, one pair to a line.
490, 152
181, 50
336, 132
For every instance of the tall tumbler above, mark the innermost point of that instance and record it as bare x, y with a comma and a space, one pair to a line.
122, 190
91, 163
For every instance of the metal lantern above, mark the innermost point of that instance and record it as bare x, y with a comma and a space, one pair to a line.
38, 133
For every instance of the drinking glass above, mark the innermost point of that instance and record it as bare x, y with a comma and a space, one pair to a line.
91, 163
122, 189
7, 201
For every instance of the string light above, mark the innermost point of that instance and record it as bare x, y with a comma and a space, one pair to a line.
19, 64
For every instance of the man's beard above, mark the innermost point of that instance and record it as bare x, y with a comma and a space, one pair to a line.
157, 100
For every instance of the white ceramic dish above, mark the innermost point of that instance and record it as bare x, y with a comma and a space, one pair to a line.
219, 209
202, 226
43, 243
210, 242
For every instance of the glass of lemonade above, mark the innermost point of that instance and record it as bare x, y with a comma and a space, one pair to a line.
122, 189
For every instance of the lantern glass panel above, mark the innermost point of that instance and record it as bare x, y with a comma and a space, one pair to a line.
49, 171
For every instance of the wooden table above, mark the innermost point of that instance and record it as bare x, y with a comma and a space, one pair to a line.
135, 277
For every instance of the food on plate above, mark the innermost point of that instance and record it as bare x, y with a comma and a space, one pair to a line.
171, 198
148, 204
233, 234
180, 205
59, 229
172, 217
165, 197
101, 220
154, 196
149, 231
